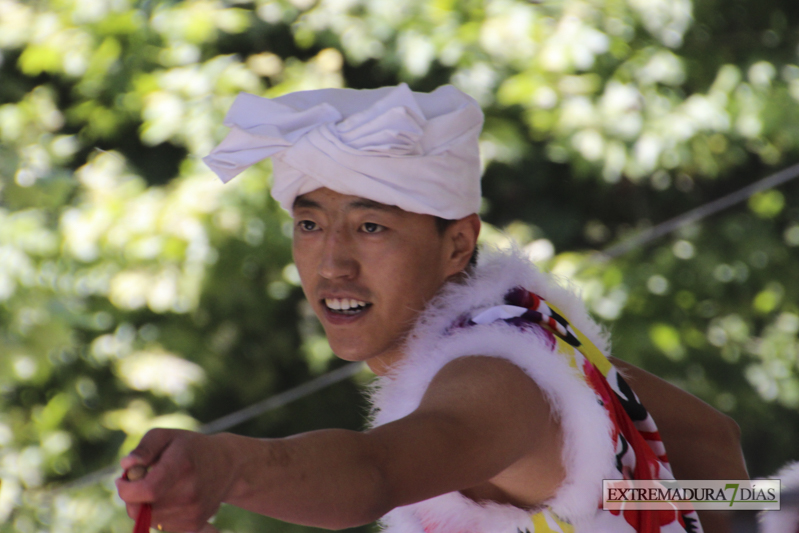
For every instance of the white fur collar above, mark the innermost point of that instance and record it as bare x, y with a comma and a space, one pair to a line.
497, 272
588, 448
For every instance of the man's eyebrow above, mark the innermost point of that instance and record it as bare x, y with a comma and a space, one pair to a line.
305, 202
363, 203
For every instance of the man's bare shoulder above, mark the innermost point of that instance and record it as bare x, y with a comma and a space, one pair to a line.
510, 424
492, 382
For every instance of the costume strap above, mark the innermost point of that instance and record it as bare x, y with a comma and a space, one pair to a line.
550, 317
524, 308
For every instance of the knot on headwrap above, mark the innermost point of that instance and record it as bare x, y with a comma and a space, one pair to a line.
418, 151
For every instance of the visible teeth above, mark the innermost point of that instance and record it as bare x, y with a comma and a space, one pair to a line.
344, 304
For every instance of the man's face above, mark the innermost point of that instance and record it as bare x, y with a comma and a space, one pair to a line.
368, 269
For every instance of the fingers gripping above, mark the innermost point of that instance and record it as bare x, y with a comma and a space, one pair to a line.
133, 487
150, 448
163, 470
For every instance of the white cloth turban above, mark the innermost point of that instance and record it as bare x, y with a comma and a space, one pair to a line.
417, 151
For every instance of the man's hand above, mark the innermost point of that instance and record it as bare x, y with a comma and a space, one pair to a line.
185, 482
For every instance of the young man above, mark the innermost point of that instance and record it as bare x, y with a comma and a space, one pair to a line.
496, 407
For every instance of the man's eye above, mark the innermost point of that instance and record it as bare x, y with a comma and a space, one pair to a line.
307, 225
371, 227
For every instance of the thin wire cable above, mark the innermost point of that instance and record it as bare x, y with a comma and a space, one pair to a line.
648, 235
284, 398
242, 415
306, 389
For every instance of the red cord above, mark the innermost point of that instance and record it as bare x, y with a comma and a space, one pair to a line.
143, 519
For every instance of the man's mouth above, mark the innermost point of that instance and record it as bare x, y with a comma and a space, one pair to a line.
345, 306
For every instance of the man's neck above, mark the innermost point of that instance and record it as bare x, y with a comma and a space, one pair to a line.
383, 363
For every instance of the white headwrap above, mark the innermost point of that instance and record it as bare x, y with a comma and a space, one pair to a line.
417, 151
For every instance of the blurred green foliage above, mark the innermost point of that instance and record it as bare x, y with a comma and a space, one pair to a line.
136, 290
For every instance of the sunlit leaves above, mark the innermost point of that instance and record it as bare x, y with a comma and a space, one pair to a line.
767, 204
197, 21
38, 59
667, 20
162, 373
767, 300
666, 338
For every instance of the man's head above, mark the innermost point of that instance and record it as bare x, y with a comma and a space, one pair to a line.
383, 185
369, 269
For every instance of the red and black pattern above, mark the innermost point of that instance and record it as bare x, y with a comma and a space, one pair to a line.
538, 313
640, 453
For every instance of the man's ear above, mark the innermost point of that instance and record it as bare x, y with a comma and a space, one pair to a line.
462, 234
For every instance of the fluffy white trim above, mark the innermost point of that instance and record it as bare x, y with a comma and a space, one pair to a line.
786, 520
588, 453
497, 273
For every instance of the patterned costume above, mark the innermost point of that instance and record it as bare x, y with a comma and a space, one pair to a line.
508, 309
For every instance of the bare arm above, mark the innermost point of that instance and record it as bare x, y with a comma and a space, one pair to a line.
477, 419
701, 442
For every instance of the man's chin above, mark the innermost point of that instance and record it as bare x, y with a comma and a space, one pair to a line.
380, 360
353, 349
351, 353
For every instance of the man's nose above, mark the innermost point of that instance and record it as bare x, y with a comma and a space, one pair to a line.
338, 258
